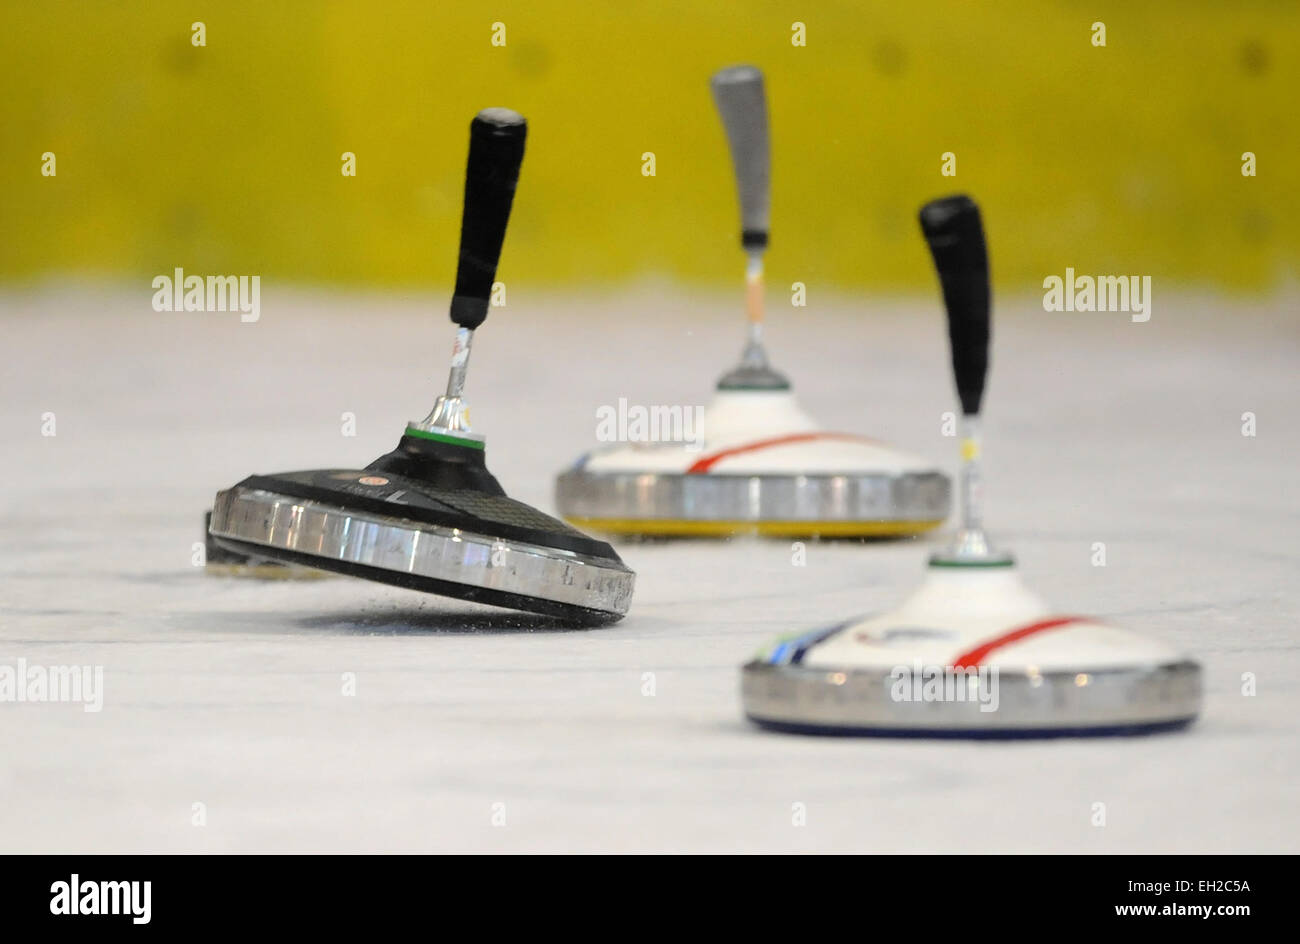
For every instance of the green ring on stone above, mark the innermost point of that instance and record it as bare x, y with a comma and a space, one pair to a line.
444, 438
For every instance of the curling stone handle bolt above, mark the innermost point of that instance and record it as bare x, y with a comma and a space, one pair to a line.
738, 93
496, 149
459, 362
952, 228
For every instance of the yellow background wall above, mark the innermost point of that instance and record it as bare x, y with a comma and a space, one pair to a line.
226, 159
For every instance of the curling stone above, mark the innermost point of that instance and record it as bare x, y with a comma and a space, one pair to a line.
972, 652
759, 463
429, 515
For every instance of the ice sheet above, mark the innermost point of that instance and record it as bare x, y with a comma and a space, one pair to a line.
473, 730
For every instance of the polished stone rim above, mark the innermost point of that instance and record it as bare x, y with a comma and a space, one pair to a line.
330, 535
821, 700
911, 497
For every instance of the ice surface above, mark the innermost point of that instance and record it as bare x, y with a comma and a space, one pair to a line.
227, 693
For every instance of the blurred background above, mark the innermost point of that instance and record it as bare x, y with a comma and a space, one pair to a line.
227, 157
120, 423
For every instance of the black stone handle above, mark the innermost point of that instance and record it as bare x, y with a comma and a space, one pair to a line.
496, 150
953, 229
